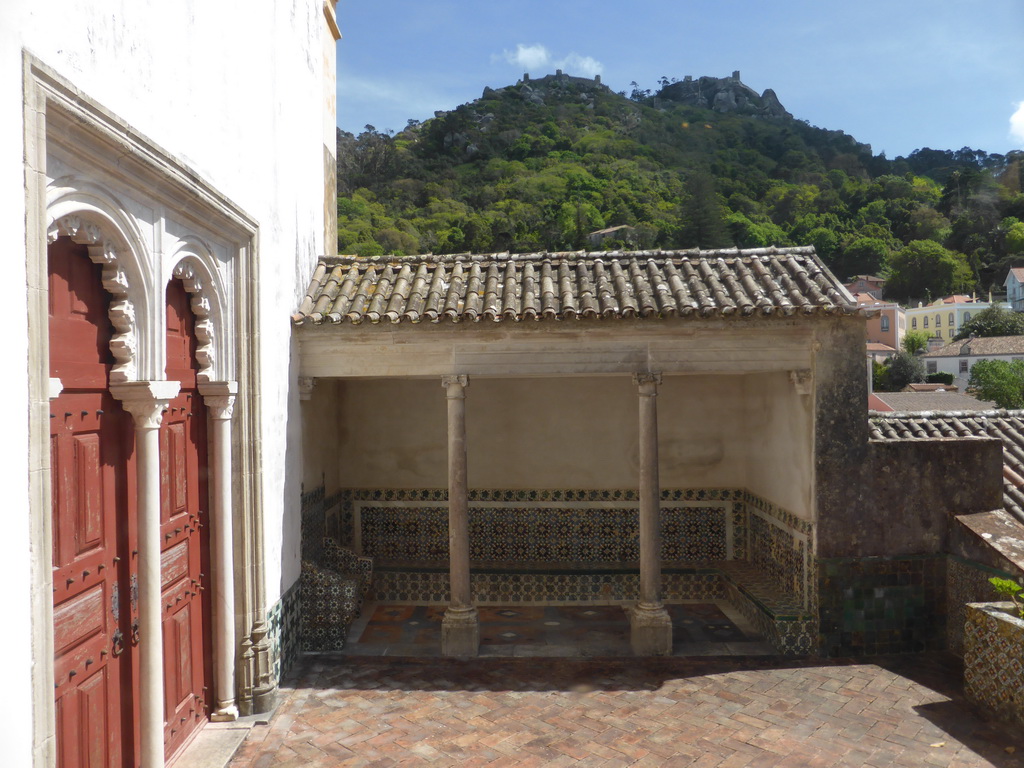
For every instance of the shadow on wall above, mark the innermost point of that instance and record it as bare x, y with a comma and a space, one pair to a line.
291, 525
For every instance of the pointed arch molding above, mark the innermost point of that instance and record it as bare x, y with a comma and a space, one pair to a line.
102, 251
207, 305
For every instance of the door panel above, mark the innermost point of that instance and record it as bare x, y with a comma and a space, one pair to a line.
91, 537
184, 533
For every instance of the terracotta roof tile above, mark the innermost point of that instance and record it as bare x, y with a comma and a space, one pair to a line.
566, 286
981, 345
1008, 426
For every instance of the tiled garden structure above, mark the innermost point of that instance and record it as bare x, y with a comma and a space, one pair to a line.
773, 493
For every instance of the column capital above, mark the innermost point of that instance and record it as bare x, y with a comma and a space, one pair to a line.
146, 401
219, 397
647, 381
455, 384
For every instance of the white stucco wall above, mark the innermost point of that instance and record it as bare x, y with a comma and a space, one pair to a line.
952, 365
237, 94
779, 442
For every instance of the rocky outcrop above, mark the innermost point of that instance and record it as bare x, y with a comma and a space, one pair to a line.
560, 86
723, 94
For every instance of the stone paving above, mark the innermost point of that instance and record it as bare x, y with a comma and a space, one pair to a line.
340, 710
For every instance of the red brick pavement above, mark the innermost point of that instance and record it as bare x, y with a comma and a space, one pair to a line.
906, 711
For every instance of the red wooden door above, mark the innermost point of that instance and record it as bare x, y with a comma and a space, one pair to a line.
184, 534
90, 441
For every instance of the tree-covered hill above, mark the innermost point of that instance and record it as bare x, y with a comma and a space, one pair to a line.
539, 165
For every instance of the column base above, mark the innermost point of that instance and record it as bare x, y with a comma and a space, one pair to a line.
650, 630
460, 632
224, 714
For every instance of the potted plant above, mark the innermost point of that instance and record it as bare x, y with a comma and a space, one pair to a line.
994, 653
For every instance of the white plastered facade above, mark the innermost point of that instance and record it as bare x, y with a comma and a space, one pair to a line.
183, 142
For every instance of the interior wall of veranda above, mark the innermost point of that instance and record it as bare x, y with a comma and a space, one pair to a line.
778, 436
320, 418
541, 433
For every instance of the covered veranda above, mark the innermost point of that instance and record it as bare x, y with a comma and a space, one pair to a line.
601, 429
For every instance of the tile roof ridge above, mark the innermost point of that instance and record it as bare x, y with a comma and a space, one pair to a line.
528, 256
988, 413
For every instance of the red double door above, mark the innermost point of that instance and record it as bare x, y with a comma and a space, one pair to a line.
94, 529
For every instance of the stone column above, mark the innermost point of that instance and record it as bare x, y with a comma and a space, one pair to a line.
460, 629
146, 401
650, 625
219, 398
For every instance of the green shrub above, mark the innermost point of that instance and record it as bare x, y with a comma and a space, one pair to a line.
1009, 590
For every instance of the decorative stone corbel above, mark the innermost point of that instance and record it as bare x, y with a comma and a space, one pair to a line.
56, 387
802, 381
306, 384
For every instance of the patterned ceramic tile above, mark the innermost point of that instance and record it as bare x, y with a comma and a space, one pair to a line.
994, 661
882, 604
566, 545
966, 582
283, 618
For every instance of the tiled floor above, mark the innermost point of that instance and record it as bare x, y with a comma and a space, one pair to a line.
699, 629
902, 711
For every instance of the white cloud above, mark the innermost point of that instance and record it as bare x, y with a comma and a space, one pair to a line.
581, 66
536, 60
1017, 124
528, 57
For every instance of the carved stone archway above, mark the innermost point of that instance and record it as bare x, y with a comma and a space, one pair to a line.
124, 341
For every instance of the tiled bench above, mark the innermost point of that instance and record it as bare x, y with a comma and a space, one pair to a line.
778, 617
332, 590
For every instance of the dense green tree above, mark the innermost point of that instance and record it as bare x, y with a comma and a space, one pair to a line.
999, 381
994, 321
914, 341
703, 215
903, 369
522, 170
923, 268
861, 256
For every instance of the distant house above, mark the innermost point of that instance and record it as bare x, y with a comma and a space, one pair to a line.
905, 402
621, 232
944, 317
887, 324
959, 357
866, 284
879, 352
1014, 284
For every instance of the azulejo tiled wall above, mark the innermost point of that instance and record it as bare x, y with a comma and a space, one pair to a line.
966, 582
497, 587
994, 661
874, 605
780, 546
283, 622
319, 517
544, 526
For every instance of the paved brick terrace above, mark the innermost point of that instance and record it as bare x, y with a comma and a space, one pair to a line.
905, 711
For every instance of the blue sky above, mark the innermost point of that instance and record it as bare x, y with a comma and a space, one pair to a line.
896, 74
